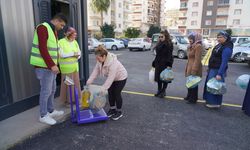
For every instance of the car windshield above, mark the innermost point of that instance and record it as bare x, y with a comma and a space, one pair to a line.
245, 44
182, 39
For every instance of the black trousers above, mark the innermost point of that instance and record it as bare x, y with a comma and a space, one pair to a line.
162, 86
192, 95
115, 97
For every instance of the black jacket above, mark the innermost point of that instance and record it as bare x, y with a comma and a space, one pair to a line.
163, 59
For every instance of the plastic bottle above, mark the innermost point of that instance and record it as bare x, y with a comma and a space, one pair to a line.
85, 97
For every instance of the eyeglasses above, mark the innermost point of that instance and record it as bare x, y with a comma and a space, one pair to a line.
160, 36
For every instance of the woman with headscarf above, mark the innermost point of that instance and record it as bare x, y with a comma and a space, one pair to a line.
163, 60
217, 67
194, 66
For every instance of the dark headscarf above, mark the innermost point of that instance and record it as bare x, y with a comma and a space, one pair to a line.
228, 42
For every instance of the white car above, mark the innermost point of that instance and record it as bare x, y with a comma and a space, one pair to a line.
93, 44
139, 43
237, 51
111, 43
207, 43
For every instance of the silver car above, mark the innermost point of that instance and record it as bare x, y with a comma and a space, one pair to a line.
180, 44
237, 51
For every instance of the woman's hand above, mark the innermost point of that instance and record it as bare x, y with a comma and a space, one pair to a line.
218, 77
169, 68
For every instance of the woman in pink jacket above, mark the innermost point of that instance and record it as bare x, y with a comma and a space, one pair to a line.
107, 65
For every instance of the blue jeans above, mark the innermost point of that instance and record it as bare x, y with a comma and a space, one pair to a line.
48, 88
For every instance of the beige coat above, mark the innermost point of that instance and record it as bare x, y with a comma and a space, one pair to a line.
194, 66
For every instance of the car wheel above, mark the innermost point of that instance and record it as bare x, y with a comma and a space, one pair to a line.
181, 54
144, 48
237, 58
130, 49
114, 48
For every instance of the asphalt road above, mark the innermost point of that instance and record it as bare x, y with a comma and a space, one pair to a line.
151, 123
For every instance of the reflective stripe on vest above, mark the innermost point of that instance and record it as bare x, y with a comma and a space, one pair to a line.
70, 64
35, 57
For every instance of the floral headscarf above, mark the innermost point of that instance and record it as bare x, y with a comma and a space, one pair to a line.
196, 37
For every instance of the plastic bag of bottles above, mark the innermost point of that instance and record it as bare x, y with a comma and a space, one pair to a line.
167, 75
97, 102
242, 81
216, 87
151, 75
192, 81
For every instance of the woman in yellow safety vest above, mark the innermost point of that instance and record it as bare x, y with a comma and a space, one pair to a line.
69, 53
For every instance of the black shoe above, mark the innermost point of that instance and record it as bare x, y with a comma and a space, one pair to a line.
185, 98
111, 112
157, 94
162, 95
117, 115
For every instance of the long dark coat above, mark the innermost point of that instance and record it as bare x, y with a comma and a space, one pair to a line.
163, 59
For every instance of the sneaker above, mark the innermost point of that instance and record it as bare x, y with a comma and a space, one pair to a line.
212, 106
47, 119
111, 112
56, 113
117, 115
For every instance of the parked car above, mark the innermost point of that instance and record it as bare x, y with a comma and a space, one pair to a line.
237, 51
180, 44
125, 41
207, 43
239, 39
93, 44
139, 43
111, 43
245, 56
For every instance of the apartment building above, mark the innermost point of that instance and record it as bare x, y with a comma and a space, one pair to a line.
170, 20
146, 13
117, 14
210, 16
190, 16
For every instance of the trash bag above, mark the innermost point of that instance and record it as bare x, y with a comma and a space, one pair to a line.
192, 81
151, 75
167, 75
97, 102
216, 87
242, 81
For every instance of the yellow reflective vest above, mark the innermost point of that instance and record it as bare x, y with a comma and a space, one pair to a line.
52, 45
68, 63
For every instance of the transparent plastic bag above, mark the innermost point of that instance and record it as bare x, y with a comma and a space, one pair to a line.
97, 102
192, 81
216, 87
242, 81
151, 75
167, 75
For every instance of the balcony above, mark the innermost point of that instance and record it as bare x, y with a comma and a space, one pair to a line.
182, 18
183, 8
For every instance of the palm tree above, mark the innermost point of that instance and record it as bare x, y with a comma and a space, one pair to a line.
101, 6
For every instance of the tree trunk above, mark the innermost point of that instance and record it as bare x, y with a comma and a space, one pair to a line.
101, 18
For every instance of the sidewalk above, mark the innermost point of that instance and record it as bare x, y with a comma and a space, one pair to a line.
23, 125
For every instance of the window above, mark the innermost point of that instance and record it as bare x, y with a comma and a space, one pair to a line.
120, 5
239, 2
210, 3
209, 13
237, 11
236, 22
205, 31
193, 23
195, 4
223, 2
221, 22
195, 13
119, 15
119, 25
183, 4
208, 22
222, 11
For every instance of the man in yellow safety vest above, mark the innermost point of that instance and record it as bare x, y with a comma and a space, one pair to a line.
44, 57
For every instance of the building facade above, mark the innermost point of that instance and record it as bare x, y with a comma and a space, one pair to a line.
210, 16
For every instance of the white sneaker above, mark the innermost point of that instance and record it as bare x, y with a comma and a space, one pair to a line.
47, 119
56, 113
212, 106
